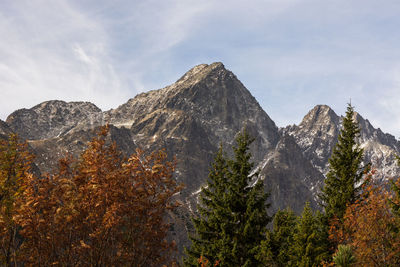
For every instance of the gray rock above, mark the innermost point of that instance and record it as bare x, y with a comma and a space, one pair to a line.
51, 119
4, 130
317, 135
206, 107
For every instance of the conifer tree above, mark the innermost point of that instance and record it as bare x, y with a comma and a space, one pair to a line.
309, 247
344, 256
276, 249
345, 172
233, 213
213, 215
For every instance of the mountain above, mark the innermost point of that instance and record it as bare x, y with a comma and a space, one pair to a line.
317, 135
50, 119
206, 107
190, 118
290, 176
4, 130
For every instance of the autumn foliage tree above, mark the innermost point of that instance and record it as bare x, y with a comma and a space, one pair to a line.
15, 164
102, 210
368, 227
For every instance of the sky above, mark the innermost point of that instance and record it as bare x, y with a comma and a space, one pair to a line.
291, 55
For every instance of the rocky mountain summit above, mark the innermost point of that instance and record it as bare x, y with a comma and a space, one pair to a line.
317, 135
206, 107
50, 119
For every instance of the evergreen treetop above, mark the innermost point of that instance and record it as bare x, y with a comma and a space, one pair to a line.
233, 215
345, 172
276, 250
309, 246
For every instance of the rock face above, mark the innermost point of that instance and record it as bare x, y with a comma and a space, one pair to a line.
290, 176
50, 119
317, 135
206, 107
380, 149
4, 130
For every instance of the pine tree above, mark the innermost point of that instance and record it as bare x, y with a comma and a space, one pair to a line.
233, 213
214, 215
276, 249
309, 247
344, 256
345, 173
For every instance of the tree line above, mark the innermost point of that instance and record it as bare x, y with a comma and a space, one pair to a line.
105, 209
358, 222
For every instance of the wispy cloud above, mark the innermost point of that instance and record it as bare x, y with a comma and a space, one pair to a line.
52, 50
291, 54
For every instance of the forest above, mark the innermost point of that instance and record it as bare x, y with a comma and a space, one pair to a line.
106, 209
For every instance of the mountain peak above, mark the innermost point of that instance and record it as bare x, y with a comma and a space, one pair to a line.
319, 115
53, 107
50, 118
199, 72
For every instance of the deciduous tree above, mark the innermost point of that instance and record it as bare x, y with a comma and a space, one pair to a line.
103, 210
15, 164
368, 229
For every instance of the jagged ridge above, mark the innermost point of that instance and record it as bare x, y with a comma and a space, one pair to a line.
207, 106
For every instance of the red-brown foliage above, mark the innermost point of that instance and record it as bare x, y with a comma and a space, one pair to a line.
369, 228
102, 210
15, 164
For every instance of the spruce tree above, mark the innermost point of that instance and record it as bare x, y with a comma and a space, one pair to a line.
213, 215
276, 249
345, 172
309, 247
232, 212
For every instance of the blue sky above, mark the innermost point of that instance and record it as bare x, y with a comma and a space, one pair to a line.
291, 55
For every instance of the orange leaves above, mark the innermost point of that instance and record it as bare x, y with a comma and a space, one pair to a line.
101, 210
204, 262
15, 164
83, 244
368, 228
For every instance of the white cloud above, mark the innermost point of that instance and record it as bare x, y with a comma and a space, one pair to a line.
54, 51
291, 54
